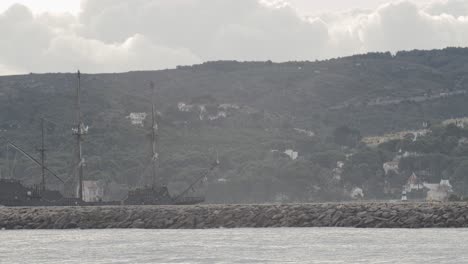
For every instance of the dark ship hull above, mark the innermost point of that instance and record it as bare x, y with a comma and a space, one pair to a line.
14, 194
158, 196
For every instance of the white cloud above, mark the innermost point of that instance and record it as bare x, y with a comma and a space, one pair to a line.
136, 52
455, 8
53, 6
22, 37
403, 26
122, 35
53, 43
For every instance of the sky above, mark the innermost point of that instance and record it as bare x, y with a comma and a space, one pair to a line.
124, 35
38, 6
314, 7
306, 7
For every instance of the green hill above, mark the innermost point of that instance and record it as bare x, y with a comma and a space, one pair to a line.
250, 113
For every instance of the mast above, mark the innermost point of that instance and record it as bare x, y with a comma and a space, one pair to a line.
8, 160
79, 131
42, 151
22, 151
201, 178
154, 138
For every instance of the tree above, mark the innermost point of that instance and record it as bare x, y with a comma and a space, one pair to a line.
327, 159
364, 169
460, 178
346, 136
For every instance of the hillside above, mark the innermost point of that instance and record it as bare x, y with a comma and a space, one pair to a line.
250, 113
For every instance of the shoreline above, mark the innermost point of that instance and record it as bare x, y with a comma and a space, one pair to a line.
357, 215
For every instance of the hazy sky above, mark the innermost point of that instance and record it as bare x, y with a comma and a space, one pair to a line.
123, 35
311, 7
308, 7
72, 6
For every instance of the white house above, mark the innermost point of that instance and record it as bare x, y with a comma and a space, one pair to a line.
391, 166
357, 193
137, 118
439, 192
292, 154
93, 191
433, 191
414, 184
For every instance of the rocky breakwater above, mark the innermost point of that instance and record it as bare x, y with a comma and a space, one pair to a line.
361, 215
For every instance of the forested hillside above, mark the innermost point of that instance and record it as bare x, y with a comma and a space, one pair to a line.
279, 129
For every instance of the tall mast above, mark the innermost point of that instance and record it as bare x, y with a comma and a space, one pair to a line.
8, 160
79, 131
154, 138
42, 151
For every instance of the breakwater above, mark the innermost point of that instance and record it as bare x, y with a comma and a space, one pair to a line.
360, 215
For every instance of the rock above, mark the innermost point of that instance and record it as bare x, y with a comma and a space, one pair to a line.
277, 216
71, 225
380, 215
336, 217
368, 220
411, 221
460, 220
138, 224
362, 214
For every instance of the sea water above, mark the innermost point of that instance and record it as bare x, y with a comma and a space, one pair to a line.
281, 245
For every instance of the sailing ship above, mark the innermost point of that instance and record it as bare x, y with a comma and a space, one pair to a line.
157, 193
14, 193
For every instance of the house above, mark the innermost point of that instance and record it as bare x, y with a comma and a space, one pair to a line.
338, 171
391, 166
416, 189
93, 191
137, 118
459, 122
439, 192
291, 154
340, 164
357, 193
305, 132
414, 183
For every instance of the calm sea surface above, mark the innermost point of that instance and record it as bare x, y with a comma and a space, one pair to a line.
309, 245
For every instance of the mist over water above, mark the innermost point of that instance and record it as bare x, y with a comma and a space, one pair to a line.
306, 245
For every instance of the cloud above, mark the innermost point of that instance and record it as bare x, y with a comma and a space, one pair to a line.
135, 53
212, 29
122, 35
455, 8
402, 26
53, 43
22, 37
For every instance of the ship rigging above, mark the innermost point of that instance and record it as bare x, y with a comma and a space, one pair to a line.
14, 193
